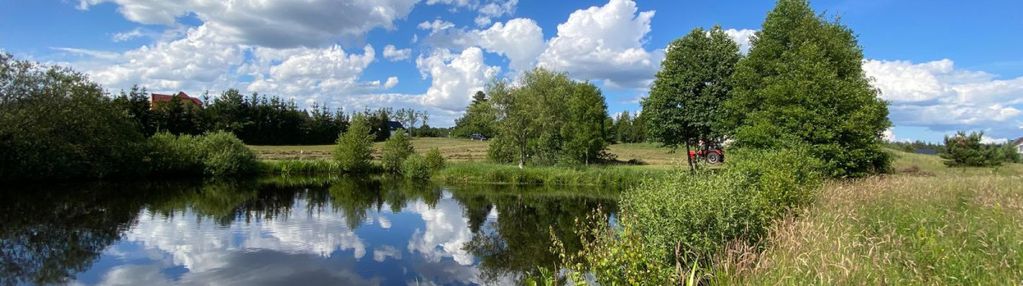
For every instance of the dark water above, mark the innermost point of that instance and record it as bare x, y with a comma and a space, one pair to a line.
311, 231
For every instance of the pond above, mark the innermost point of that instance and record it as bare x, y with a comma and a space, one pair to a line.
285, 231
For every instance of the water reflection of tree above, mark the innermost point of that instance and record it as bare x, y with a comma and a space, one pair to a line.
519, 241
51, 232
356, 197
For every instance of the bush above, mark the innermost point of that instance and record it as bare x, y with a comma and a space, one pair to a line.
966, 150
702, 211
224, 155
173, 155
354, 148
416, 167
435, 160
56, 124
219, 154
396, 149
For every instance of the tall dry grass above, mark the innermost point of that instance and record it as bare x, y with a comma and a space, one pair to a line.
903, 229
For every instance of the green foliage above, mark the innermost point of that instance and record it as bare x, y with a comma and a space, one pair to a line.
628, 129
614, 257
803, 84
585, 129
547, 119
396, 149
225, 155
136, 103
966, 150
416, 167
354, 147
479, 118
684, 106
702, 211
435, 160
171, 154
218, 154
56, 124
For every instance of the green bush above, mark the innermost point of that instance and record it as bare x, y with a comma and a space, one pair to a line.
703, 211
966, 150
396, 149
354, 148
435, 160
56, 124
218, 154
416, 167
171, 155
224, 155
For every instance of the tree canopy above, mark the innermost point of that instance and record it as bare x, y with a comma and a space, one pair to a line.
684, 106
548, 118
803, 84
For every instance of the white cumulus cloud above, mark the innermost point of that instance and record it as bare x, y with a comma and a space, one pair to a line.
278, 24
605, 43
941, 97
454, 77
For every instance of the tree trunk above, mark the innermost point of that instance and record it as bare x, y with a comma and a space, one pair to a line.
692, 168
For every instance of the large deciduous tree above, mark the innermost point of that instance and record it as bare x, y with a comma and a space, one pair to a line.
803, 84
548, 118
684, 106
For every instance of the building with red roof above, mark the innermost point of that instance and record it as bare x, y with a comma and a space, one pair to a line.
156, 99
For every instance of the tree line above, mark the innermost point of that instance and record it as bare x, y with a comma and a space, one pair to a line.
259, 119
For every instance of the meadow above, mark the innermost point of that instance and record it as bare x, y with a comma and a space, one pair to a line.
465, 150
925, 224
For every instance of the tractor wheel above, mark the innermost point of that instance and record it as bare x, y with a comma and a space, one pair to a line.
713, 158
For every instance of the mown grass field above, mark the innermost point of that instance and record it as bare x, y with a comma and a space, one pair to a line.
465, 150
927, 224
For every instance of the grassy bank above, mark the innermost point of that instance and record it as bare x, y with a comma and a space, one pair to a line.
926, 224
465, 150
607, 176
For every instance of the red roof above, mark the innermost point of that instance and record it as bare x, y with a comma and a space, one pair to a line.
161, 98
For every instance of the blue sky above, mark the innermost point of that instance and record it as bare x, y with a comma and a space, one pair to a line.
942, 65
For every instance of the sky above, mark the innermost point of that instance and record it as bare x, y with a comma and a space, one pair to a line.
941, 65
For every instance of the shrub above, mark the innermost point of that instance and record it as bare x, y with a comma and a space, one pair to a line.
354, 147
966, 150
702, 211
435, 160
219, 154
224, 155
416, 167
396, 149
170, 154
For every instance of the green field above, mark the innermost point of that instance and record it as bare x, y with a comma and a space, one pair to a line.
927, 224
465, 150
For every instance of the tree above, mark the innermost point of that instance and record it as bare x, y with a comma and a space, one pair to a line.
354, 147
135, 103
56, 124
803, 84
547, 119
396, 150
479, 118
585, 130
684, 106
967, 150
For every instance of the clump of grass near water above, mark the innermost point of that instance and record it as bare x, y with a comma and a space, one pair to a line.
488, 173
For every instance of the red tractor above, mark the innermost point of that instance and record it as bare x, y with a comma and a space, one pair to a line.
713, 156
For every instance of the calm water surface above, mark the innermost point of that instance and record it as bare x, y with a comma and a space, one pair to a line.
306, 231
